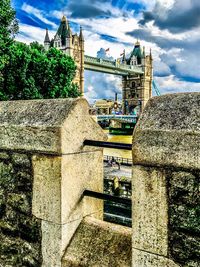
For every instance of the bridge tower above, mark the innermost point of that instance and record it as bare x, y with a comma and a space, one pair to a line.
72, 45
137, 88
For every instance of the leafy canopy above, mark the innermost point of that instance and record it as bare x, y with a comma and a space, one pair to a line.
30, 72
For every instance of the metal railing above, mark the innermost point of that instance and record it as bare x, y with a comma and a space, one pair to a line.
103, 196
114, 145
117, 209
122, 161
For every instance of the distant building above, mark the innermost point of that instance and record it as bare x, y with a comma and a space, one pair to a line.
104, 106
137, 89
70, 44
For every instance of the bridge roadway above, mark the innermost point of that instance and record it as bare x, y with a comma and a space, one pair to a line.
110, 67
126, 118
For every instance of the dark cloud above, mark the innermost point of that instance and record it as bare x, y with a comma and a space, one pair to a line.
109, 38
163, 42
180, 17
88, 9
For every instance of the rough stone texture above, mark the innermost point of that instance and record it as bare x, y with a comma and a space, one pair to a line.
53, 132
184, 217
20, 231
149, 208
142, 258
99, 244
169, 125
166, 174
59, 183
47, 126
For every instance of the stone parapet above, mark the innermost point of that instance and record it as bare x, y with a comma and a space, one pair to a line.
44, 138
168, 132
165, 185
97, 243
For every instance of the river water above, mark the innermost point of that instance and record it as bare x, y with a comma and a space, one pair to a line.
118, 152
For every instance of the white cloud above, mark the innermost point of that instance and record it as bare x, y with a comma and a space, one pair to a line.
29, 34
171, 84
37, 13
184, 59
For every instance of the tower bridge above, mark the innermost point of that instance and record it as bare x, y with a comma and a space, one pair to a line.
110, 67
136, 70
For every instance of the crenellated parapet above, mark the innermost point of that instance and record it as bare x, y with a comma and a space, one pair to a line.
165, 183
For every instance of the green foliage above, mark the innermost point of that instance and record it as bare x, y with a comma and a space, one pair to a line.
33, 73
30, 72
8, 27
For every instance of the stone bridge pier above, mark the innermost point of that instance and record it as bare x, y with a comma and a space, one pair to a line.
165, 185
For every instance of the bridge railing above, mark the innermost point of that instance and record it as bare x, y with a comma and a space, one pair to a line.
110, 63
122, 161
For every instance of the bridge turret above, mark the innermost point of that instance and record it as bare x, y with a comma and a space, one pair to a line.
137, 89
81, 38
136, 55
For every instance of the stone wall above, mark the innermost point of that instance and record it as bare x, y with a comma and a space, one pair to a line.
184, 217
165, 186
20, 231
44, 170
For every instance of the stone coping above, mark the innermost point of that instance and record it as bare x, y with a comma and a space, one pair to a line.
55, 126
98, 243
168, 132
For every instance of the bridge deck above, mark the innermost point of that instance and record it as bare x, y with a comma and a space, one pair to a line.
111, 67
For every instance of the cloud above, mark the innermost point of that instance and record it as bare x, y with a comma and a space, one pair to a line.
32, 11
29, 34
88, 9
100, 85
170, 27
102, 53
171, 84
181, 16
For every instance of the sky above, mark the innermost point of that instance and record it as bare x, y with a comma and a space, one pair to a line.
170, 28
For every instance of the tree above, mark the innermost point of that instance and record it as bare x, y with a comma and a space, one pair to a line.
30, 72
8, 28
33, 73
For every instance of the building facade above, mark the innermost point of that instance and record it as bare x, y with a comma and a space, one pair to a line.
70, 44
137, 89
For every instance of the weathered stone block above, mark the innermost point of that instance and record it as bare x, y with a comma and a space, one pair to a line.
166, 136
34, 127
166, 153
150, 210
144, 259
97, 243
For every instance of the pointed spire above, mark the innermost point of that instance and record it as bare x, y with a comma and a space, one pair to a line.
124, 57
69, 30
81, 34
144, 51
137, 43
64, 19
47, 39
150, 54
